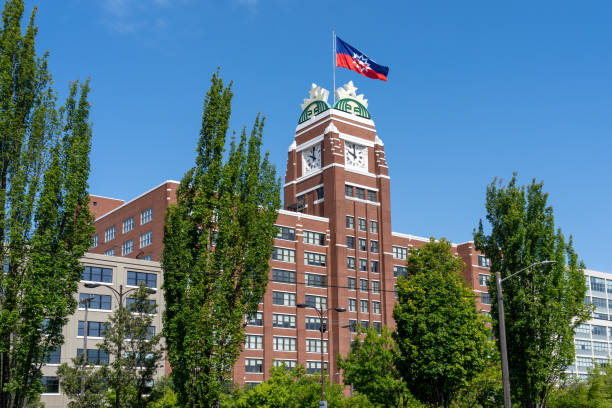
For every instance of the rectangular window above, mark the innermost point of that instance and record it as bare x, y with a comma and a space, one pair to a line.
110, 252
314, 346
584, 363
283, 276
375, 307
283, 321
285, 233
600, 349
146, 239
363, 285
95, 356
283, 298
54, 356
128, 224
374, 266
363, 306
314, 259
135, 278
127, 247
352, 326
314, 367
314, 238
598, 284
320, 193
485, 298
146, 216
483, 279
253, 342
319, 281
94, 243
50, 384
314, 323
100, 302
351, 283
350, 262
289, 364
360, 193
350, 222
362, 244
350, 242
147, 258
284, 343
348, 191
583, 346
371, 195
374, 227
363, 265
253, 365
400, 271
375, 286
584, 330
256, 319
600, 304
132, 306
94, 329
283, 254
377, 326
365, 324
318, 302
609, 287
352, 305
400, 252
362, 224
598, 332
97, 274
373, 246
484, 261
109, 234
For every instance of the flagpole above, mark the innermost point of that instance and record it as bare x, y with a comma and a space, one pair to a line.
334, 66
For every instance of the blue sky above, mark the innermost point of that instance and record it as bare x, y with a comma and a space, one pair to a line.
476, 90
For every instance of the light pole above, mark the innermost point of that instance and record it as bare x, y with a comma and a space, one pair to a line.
119, 294
502, 329
86, 301
322, 313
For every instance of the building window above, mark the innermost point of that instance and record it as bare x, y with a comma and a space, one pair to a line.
147, 257
100, 302
362, 224
283, 298
375, 307
352, 305
363, 285
110, 252
128, 225
360, 193
314, 238
314, 367
146, 239
377, 326
584, 363
253, 365
584, 330
283, 276
146, 216
283, 321
350, 222
348, 191
314, 259
365, 324
350, 262
253, 342
600, 349
371, 195
314, 346
363, 306
485, 298
131, 305
374, 227
363, 265
400, 271
609, 287
598, 284
375, 286
484, 261
483, 279
94, 329
319, 281
97, 274
94, 243
373, 246
583, 346
351, 283
362, 244
284, 343
285, 233
54, 356
598, 332
320, 193
352, 326
318, 302
400, 252
374, 266
135, 278
127, 247
256, 319
283, 254
95, 356
50, 384
314, 323
350, 242
109, 234
289, 364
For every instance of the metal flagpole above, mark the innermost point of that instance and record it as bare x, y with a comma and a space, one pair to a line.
334, 68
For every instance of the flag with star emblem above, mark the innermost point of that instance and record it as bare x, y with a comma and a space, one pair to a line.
350, 57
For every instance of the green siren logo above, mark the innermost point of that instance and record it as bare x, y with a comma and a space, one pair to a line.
350, 102
314, 105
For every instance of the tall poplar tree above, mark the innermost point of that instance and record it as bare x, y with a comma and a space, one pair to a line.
543, 305
45, 224
217, 244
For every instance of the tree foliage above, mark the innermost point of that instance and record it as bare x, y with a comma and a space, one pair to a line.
217, 245
543, 305
485, 389
45, 224
442, 340
594, 392
83, 384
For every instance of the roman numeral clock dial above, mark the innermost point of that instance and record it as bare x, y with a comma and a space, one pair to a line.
311, 159
355, 156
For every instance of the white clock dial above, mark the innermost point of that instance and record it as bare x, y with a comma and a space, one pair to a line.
311, 159
356, 155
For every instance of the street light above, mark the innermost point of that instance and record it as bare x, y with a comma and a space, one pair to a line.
502, 329
322, 313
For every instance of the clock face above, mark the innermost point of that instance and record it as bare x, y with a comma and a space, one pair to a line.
311, 159
355, 155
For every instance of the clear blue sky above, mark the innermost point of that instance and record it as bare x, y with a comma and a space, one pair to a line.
476, 90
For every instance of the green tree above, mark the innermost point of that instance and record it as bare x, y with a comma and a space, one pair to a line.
370, 369
136, 350
45, 224
217, 244
442, 339
594, 392
542, 306
485, 389
83, 384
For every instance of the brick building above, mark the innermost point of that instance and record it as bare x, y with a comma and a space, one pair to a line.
335, 246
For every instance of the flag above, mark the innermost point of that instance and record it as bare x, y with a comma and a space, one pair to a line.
350, 57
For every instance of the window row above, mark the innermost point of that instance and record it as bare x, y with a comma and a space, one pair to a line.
105, 275
362, 244
596, 331
255, 365
310, 237
363, 285
286, 321
360, 193
363, 264
599, 285
146, 216
288, 255
365, 324
596, 347
363, 306
361, 224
